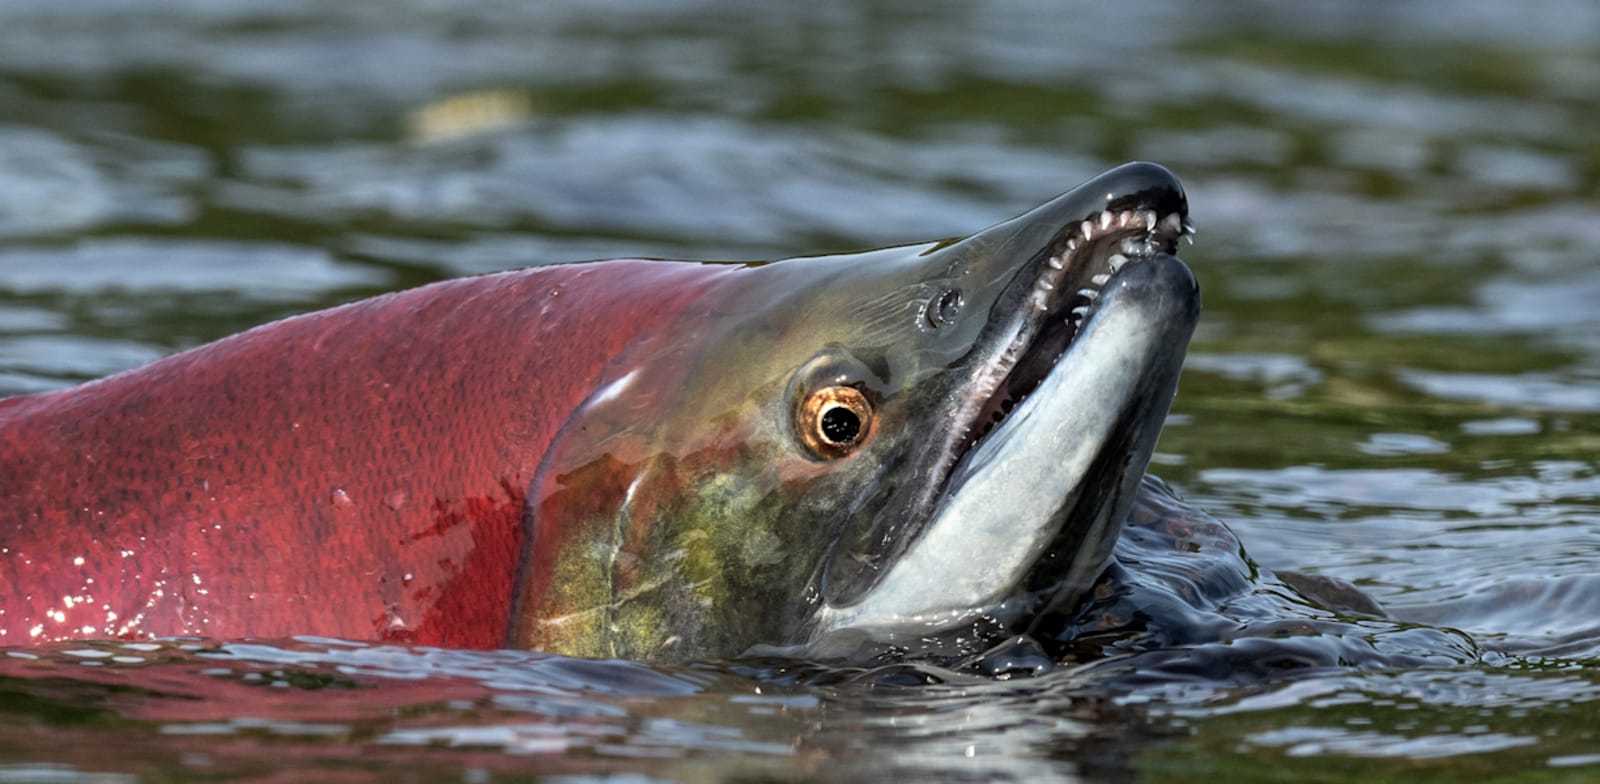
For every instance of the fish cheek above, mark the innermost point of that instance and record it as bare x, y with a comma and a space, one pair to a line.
729, 561
666, 559
666, 554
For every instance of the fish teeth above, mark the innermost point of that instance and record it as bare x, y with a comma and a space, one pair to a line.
1080, 311
1158, 231
1089, 294
1046, 285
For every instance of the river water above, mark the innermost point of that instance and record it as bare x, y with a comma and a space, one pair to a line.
1396, 381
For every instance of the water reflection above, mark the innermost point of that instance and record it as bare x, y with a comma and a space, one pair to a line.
256, 270
236, 709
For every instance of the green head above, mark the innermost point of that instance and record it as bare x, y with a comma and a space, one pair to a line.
832, 452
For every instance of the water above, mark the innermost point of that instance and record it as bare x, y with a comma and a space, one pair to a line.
1396, 382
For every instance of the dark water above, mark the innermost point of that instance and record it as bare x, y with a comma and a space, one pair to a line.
1396, 382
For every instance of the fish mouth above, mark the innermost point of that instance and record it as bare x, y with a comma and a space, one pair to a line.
1067, 281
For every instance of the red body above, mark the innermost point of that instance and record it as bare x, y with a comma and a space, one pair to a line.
359, 472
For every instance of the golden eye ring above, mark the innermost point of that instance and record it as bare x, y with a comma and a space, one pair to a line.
835, 421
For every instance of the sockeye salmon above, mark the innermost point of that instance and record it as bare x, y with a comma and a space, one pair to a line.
644, 459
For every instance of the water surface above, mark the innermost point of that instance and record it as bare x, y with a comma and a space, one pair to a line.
1396, 382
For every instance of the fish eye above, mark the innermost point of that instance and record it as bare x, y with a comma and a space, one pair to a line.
943, 308
834, 421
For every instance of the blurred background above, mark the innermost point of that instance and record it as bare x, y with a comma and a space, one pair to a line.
1396, 380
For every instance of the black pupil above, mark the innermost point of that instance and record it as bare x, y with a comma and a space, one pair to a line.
840, 425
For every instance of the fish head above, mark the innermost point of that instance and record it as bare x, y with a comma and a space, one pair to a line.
829, 455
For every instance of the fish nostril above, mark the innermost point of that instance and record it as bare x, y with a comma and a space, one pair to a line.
945, 308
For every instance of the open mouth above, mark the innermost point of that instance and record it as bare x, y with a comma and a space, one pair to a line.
1071, 274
